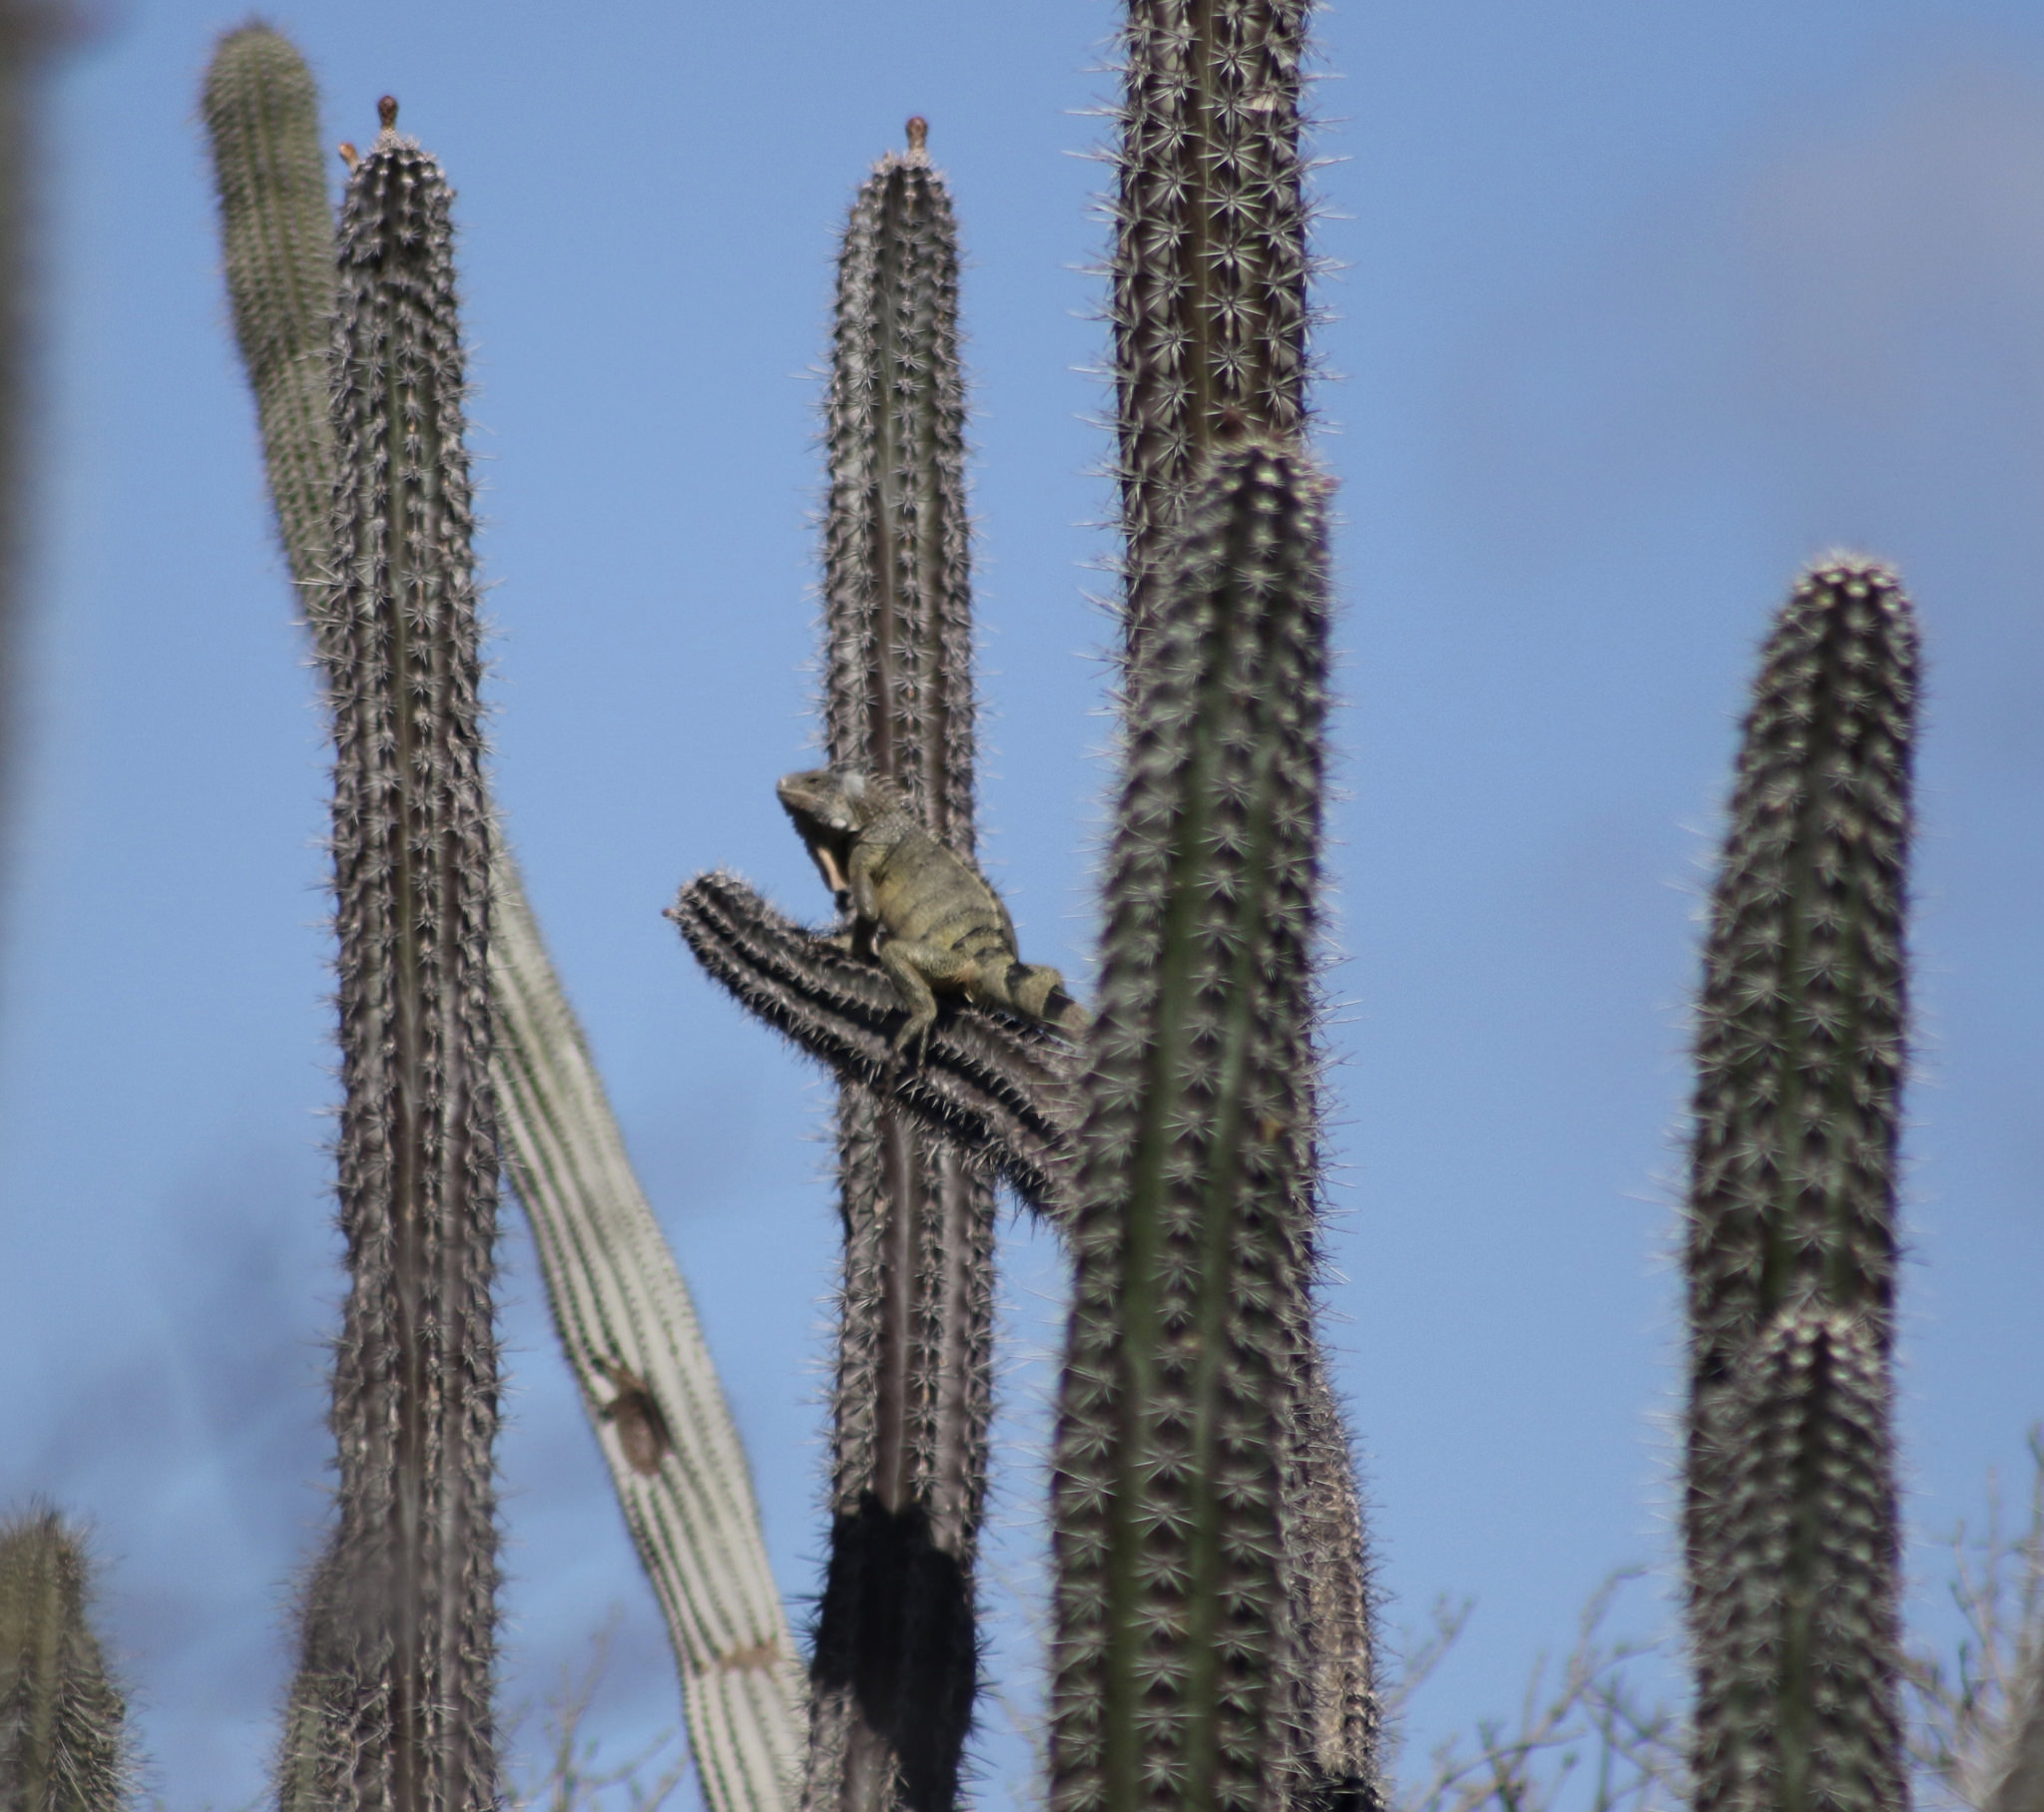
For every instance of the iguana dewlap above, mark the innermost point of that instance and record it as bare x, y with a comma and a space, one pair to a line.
921, 908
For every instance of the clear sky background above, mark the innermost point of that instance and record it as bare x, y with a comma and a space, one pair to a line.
1639, 307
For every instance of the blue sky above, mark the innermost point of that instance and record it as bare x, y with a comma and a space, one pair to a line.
1635, 309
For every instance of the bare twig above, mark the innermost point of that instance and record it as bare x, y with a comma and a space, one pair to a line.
1522, 1764
1966, 1710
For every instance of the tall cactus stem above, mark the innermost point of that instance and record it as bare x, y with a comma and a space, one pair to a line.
1797, 1683
63, 1745
30, 31
1332, 1592
895, 1664
1791, 1206
1172, 1639
1209, 264
415, 1372
261, 113
617, 1295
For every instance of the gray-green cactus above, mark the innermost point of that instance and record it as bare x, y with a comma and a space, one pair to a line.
404, 1627
261, 111
1210, 268
63, 1745
1790, 1511
1173, 1656
895, 1664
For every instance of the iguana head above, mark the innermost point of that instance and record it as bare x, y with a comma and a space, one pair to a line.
841, 802
830, 808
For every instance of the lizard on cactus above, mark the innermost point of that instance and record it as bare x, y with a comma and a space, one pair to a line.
944, 926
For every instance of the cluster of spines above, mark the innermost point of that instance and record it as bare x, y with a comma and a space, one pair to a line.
1174, 1651
1792, 1216
261, 111
404, 1618
895, 1664
1211, 264
62, 1738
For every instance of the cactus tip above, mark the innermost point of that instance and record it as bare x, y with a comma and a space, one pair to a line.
349, 156
918, 133
386, 113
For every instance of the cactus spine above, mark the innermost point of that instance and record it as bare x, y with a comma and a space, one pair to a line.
412, 1587
1791, 1501
261, 113
1209, 266
1172, 1641
895, 1662
619, 1302
61, 1740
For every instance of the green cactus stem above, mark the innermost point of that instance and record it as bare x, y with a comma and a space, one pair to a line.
1209, 266
1173, 1647
1002, 1092
29, 32
261, 113
1796, 1631
414, 1571
62, 1746
894, 1669
1338, 1717
1791, 1206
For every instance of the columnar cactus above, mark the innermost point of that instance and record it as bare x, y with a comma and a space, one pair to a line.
1791, 1516
619, 1302
1209, 269
1174, 1652
61, 1740
894, 1669
404, 1624
261, 111
27, 31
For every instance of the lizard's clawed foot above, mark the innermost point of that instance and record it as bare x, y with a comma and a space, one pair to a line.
914, 1037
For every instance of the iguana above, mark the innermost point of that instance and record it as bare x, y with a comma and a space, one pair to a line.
922, 909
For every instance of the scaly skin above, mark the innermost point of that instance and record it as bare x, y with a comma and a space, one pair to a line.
944, 927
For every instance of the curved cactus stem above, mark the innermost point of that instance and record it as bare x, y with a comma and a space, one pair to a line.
261, 111
1173, 1652
63, 1743
1792, 1217
629, 1330
998, 1089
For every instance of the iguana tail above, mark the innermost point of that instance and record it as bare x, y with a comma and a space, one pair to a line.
1037, 991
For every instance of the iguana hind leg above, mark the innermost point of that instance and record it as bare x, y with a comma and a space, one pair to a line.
917, 970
